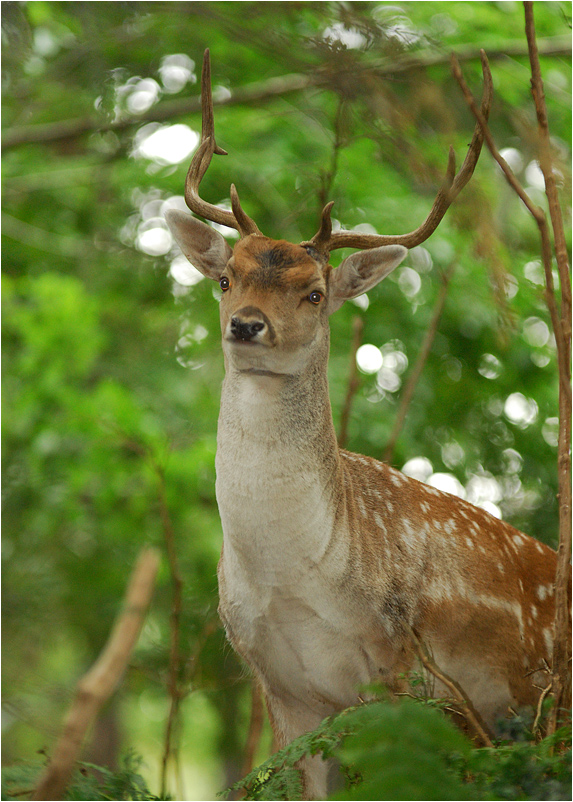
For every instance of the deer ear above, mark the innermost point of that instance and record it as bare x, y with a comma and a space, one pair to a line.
202, 245
361, 271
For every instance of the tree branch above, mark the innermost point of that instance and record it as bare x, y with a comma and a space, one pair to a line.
470, 713
99, 683
255, 727
561, 322
175, 693
561, 672
537, 213
257, 92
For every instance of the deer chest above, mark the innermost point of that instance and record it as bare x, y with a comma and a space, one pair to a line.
303, 638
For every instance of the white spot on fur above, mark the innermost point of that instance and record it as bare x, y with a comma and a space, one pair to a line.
438, 589
362, 507
539, 547
396, 478
518, 540
450, 526
470, 543
379, 522
548, 638
500, 568
541, 592
425, 507
533, 611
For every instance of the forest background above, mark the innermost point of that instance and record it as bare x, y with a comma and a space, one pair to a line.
112, 363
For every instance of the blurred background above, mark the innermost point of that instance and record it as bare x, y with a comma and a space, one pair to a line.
112, 363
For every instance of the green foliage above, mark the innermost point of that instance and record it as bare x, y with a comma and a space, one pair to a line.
386, 751
402, 752
88, 783
410, 750
523, 770
112, 367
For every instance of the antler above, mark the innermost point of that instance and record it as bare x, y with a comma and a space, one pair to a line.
325, 241
237, 219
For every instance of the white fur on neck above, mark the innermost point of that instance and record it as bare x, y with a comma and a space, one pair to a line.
276, 517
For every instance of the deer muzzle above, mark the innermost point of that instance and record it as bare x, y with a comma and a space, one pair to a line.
250, 324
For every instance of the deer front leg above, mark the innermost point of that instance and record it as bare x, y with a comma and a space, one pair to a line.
289, 720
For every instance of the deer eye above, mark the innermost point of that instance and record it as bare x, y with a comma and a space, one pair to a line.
224, 283
315, 297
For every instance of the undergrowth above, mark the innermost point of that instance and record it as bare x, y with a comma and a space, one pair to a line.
404, 750
89, 782
410, 750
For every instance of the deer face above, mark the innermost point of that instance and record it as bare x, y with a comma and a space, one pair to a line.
276, 296
273, 306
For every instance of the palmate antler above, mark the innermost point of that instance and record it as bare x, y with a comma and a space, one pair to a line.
325, 241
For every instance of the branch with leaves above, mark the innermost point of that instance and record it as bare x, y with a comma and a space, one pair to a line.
258, 92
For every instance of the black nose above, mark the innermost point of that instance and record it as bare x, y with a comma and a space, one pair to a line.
245, 331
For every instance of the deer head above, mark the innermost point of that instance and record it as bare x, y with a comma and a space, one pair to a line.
277, 295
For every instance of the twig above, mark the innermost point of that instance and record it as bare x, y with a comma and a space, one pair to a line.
175, 692
542, 696
537, 213
545, 162
561, 674
472, 716
255, 728
255, 93
328, 176
102, 679
414, 376
353, 381
173, 684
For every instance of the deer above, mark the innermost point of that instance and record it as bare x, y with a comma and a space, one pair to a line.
333, 564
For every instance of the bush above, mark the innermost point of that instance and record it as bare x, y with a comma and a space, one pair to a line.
410, 750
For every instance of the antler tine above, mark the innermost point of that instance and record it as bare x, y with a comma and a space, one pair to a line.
200, 162
453, 183
321, 240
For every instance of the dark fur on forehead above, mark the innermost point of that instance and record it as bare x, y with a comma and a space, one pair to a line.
275, 262
278, 257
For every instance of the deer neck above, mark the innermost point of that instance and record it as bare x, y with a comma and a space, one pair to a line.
278, 470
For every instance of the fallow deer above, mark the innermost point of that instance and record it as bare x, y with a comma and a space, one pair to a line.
331, 560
